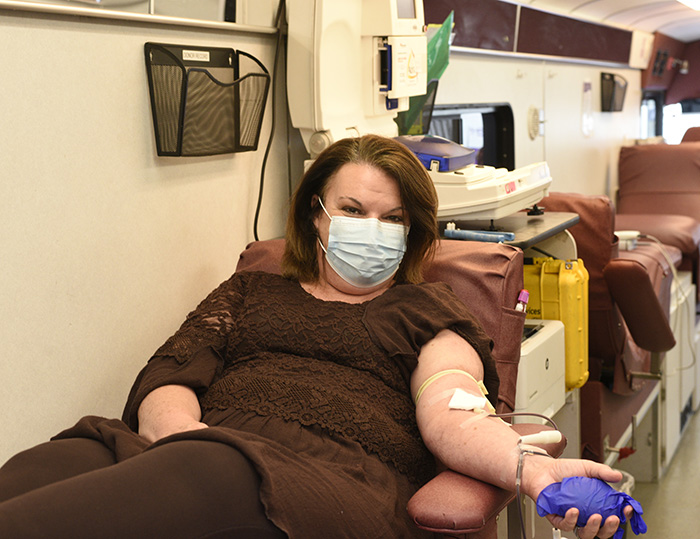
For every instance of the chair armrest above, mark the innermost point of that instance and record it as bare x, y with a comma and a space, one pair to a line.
630, 287
680, 231
455, 503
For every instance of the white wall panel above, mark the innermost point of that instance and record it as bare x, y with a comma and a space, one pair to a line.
473, 78
105, 247
579, 163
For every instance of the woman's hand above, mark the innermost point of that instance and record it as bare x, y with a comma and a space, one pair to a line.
593, 527
539, 472
168, 410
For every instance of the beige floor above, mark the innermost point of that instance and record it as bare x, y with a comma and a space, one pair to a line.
672, 506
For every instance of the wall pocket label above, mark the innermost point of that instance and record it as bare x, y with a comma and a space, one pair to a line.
195, 56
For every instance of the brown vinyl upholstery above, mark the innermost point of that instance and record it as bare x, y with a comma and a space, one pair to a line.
629, 298
488, 278
659, 195
692, 134
660, 179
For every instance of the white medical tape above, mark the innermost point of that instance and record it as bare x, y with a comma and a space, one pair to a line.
440, 374
479, 415
461, 400
440, 396
482, 408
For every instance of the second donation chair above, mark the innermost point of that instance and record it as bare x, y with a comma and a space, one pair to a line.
659, 195
629, 297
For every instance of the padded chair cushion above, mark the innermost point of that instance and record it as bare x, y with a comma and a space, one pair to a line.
262, 256
657, 266
488, 277
660, 179
595, 241
456, 503
663, 179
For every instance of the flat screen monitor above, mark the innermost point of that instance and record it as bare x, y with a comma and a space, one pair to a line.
406, 9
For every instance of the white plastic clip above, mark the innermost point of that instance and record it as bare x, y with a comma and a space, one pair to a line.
544, 437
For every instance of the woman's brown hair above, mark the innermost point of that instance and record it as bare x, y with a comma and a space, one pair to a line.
416, 189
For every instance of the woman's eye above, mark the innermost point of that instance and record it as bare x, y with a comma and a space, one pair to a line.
351, 210
395, 219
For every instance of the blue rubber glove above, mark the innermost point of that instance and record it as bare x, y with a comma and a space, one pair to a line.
590, 496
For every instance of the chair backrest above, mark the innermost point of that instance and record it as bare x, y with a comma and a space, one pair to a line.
487, 277
660, 179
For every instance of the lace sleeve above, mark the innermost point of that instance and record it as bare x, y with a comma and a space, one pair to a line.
209, 324
193, 355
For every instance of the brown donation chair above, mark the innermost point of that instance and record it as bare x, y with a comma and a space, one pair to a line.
659, 195
629, 298
692, 134
488, 278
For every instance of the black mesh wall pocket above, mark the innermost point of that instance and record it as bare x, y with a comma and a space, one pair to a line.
201, 103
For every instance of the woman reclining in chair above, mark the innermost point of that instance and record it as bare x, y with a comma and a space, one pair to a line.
284, 405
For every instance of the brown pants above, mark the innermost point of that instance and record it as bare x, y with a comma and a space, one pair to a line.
185, 489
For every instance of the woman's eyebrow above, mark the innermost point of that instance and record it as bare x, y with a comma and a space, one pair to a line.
397, 208
351, 199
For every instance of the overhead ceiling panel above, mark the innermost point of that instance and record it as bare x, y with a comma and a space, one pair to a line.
666, 16
649, 15
686, 30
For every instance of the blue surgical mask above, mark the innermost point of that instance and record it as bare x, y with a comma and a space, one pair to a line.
365, 252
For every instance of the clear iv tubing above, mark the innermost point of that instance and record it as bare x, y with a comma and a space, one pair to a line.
523, 452
528, 414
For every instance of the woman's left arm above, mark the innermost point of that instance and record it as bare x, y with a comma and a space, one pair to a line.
486, 448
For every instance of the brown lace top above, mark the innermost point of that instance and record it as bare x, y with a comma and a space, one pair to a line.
260, 343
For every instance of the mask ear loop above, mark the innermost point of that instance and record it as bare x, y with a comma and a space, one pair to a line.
318, 236
324, 208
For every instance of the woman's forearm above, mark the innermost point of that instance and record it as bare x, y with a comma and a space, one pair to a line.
482, 447
167, 410
471, 443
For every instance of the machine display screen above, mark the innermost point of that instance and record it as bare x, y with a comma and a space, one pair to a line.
406, 9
